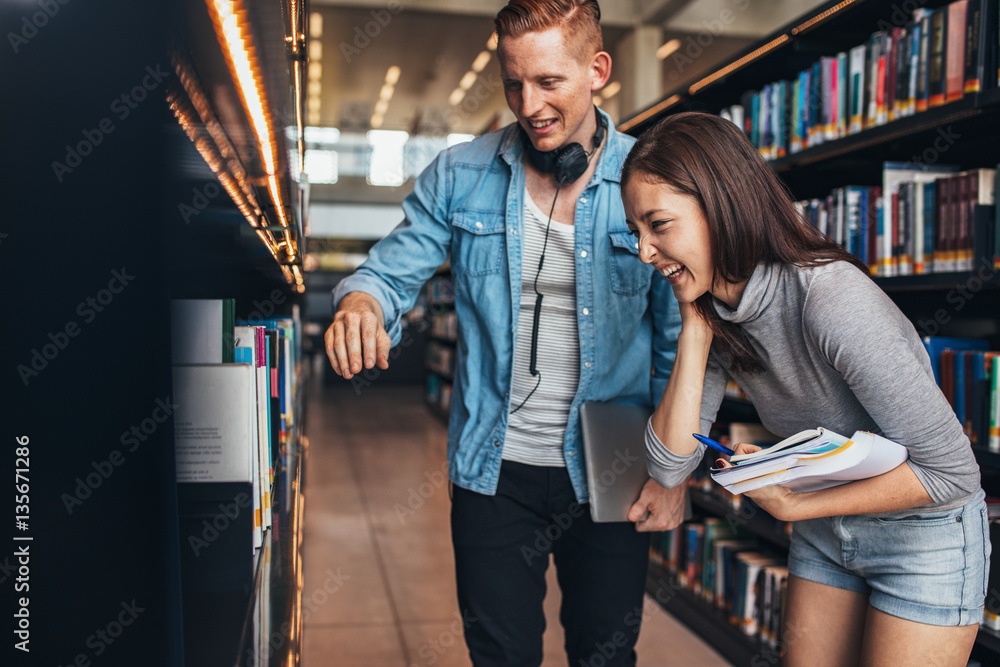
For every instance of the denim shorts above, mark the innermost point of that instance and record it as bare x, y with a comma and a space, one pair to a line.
929, 567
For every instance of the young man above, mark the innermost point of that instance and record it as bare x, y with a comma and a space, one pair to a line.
606, 331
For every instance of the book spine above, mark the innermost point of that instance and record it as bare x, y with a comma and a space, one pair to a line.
929, 226
936, 68
996, 225
922, 65
842, 93
955, 45
913, 68
973, 75
917, 210
994, 442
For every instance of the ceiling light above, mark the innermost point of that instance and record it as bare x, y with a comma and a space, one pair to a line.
668, 48
597, 100
381, 107
315, 88
376, 121
467, 80
491, 43
456, 96
313, 104
316, 25
611, 90
315, 71
392, 75
481, 61
386, 92
315, 50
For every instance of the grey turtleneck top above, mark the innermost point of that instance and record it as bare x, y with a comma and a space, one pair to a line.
839, 354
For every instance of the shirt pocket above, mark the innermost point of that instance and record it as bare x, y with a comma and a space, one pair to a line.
477, 242
629, 276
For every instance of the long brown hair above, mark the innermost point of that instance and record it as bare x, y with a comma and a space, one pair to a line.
750, 214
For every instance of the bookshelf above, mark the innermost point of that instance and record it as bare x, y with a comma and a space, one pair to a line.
441, 354
954, 304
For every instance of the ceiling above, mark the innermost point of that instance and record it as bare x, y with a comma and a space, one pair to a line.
434, 43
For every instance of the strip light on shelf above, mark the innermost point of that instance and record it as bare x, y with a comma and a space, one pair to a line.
732, 67
652, 111
233, 31
819, 18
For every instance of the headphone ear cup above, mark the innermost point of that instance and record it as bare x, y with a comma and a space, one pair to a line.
570, 164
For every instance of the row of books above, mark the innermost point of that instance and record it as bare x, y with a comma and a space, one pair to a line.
440, 289
235, 384
922, 219
730, 570
441, 359
968, 373
445, 324
935, 58
438, 392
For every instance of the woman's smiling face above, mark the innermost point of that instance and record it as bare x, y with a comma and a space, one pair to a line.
673, 235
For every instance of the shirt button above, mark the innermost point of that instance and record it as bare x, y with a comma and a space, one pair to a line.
569, 453
586, 364
479, 225
586, 311
583, 253
496, 443
583, 200
637, 246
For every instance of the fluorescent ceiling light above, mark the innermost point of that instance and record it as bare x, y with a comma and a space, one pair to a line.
483, 59
668, 48
611, 90
392, 75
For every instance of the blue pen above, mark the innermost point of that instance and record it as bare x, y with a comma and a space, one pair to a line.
713, 444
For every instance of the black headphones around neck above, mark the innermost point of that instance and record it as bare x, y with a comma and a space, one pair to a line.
568, 163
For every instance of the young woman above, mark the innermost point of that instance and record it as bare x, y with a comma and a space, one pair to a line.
890, 570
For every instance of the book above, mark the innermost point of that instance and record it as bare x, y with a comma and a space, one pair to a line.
856, 88
201, 331
937, 345
993, 443
893, 174
923, 17
811, 460
955, 51
212, 422
936, 65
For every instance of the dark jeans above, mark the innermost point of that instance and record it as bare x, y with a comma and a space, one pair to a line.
502, 545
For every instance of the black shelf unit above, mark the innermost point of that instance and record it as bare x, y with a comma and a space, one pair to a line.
707, 621
749, 516
963, 304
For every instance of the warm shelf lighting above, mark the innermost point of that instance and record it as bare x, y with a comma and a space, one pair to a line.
611, 90
467, 80
732, 67
668, 48
819, 18
652, 111
481, 61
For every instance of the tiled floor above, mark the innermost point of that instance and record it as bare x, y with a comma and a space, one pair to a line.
376, 522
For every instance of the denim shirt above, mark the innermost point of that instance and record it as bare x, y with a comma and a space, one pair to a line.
469, 203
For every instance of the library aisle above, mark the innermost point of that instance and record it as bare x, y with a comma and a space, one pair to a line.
379, 585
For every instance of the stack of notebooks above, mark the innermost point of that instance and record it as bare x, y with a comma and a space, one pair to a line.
968, 373
922, 219
235, 387
812, 460
937, 57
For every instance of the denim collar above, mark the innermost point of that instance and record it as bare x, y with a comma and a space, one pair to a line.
609, 164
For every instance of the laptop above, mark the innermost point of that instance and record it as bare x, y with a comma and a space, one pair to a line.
614, 446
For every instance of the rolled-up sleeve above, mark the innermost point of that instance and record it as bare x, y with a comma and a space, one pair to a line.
670, 469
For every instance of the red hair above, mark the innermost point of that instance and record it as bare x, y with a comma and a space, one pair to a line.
581, 20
